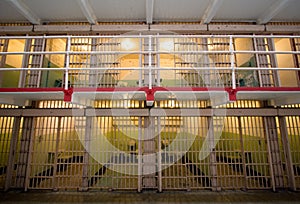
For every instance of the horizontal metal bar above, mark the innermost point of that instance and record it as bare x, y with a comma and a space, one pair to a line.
235, 28
72, 68
33, 69
116, 112
10, 112
147, 52
56, 112
158, 112
288, 112
52, 112
251, 112
41, 112
267, 68
152, 68
185, 28
146, 36
191, 112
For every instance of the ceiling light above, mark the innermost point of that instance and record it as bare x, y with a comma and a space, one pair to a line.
127, 44
167, 45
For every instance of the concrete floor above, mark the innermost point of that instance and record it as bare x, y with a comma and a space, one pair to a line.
151, 197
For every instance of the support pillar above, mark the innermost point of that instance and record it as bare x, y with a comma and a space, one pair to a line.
212, 156
24, 160
57, 142
276, 169
87, 139
149, 167
243, 152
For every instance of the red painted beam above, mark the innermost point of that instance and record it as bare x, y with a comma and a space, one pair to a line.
150, 93
30, 89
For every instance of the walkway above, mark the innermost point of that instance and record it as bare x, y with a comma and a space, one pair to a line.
151, 197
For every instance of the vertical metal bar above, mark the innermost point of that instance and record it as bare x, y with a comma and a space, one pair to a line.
3, 48
140, 60
273, 61
257, 59
140, 155
158, 60
294, 42
287, 153
67, 63
57, 143
93, 74
159, 155
41, 61
25, 60
12, 152
231, 49
269, 154
21, 163
242, 151
275, 152
150, 61
212, 155
294, 132
30, 149
88, 133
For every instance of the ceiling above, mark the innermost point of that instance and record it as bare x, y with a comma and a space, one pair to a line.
149, 11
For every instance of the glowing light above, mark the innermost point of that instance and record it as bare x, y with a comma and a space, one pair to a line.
171, 103
167, 45
127, 44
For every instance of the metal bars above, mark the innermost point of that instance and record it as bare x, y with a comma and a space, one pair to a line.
293, 132
6, 131
3, 48
224, 77
296, 47
229, 156
112, 61
174, 169
127, 146
199, 170
33, 77
256, 153
80, 78
265, 60
111, 76
73, 153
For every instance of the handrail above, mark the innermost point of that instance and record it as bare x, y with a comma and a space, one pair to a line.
145, 36
229, 50
153, 52
152, 68
67, 63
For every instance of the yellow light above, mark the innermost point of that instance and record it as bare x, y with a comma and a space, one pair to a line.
171, 104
